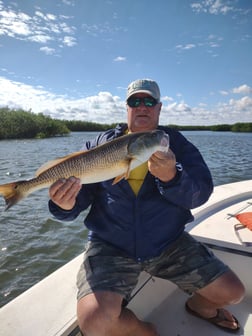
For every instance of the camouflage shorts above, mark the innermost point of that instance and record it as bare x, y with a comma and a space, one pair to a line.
187, 263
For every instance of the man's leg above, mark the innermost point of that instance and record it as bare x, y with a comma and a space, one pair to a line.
104, 279
225, 290
195, 269
100, 314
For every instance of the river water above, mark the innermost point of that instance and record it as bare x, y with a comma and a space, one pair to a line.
33, 244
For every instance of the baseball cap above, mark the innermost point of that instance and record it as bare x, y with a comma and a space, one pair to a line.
148, 86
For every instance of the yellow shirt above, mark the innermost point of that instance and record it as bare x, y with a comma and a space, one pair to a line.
137, 176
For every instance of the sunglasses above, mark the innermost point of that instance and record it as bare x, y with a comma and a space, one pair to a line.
136, 102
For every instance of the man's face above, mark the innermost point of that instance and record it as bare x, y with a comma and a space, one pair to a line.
143, 118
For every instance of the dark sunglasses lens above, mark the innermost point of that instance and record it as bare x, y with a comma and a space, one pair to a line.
149, 102
135, 102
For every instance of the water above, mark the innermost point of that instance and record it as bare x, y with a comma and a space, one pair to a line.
33, 244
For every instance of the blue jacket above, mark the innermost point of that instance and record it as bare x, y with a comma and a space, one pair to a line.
144, 225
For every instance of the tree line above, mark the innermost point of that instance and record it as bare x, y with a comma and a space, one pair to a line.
237, 127
18, 124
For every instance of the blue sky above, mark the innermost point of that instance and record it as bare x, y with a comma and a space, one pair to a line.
73, 59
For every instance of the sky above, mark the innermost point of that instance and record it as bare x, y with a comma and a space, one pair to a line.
73, 59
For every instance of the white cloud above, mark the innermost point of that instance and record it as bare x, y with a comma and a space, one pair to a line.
213, 45
106, 108
39, 28
68, 2
236, 110
223, 92
243, 104
103, 108
40, 38
243, 89
120, 59
47, 50
185, 46
213, 7
107, 29
51, 17
69, 41
12, 23
167, 98
189, 46
209, 44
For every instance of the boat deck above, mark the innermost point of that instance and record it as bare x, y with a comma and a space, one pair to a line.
49, 308
170, 315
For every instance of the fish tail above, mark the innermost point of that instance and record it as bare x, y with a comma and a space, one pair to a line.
11, 194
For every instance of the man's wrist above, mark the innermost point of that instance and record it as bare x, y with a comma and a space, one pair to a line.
165, 184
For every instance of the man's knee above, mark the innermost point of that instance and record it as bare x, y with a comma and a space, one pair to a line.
227, 289
234, 289
98, 312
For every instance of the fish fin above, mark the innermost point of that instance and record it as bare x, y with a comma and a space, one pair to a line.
11, 194
53, 163
119, 178
124, 175
127, 174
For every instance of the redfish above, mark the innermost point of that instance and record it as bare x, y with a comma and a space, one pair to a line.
113, 159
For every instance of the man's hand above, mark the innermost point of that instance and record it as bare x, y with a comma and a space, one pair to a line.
64, 192
163, 165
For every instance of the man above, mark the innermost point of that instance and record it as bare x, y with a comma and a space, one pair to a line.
138, 225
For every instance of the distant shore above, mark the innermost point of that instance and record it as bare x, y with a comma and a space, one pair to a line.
20, 124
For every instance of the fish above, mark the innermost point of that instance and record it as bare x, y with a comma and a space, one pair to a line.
111, 160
